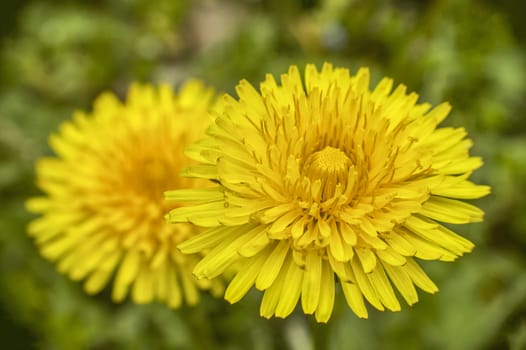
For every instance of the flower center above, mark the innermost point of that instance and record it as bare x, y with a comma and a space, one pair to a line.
154, 178
331, 167
155, 172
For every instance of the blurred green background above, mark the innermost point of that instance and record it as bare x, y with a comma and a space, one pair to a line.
56, 56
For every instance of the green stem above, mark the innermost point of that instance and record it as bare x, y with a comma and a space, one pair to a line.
320, 334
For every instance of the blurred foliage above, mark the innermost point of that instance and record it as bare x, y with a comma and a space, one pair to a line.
57, 55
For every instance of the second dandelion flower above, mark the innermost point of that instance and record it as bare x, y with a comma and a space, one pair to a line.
102, 206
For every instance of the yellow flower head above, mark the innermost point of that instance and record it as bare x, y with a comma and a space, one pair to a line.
103, 208
326, 178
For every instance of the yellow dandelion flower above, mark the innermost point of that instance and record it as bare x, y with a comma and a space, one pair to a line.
103, 208
326, 179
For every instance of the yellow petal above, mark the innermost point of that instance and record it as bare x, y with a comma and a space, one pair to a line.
399, 244
191, 295
244, 279
290, 292
211, 194
419, 277
279, 225
272, 295
451, 211
403, 283
439, 235
354, 299
208, 239
383, 288
391, 256
365, 286
326, 298
258, 242
224, 254
207, 214
312, 282
367, 258
272, 266
142, 291
349, 236
128, 271
174, 290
